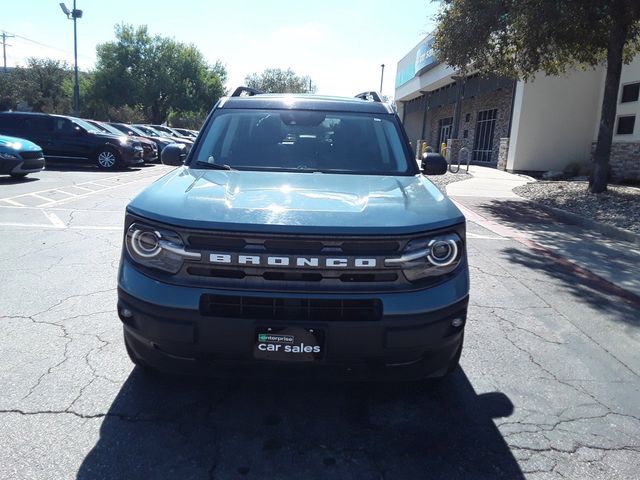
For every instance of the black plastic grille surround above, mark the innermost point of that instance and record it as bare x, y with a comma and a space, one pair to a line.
290, 309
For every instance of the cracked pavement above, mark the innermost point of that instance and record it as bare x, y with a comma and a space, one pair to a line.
549, 386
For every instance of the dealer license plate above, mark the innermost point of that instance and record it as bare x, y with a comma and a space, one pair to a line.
289, 344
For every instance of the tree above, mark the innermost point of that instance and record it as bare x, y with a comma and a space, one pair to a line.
520, 38
43, 85
160, 74
277, 80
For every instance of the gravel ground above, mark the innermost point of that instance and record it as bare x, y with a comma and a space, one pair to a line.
441, 181
619, 206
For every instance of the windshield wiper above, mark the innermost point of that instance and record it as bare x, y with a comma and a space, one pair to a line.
213, 166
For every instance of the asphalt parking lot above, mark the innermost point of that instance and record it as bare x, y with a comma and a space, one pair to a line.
549, 385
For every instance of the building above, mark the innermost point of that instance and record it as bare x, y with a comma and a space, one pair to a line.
550, 123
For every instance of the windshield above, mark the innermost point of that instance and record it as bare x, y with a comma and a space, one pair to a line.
148, 130
110, 129
86, 125
314, 141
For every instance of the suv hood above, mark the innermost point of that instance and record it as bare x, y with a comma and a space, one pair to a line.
314, 203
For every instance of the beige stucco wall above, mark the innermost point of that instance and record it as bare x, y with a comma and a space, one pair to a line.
553, 121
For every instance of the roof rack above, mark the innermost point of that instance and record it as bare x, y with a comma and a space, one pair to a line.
370, 96
245, 92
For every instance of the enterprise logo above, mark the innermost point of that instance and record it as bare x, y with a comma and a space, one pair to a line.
292, 261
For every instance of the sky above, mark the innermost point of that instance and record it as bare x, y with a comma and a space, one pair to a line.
339, 44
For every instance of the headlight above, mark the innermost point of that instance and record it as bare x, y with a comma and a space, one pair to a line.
429, 257
157, 248
8, 156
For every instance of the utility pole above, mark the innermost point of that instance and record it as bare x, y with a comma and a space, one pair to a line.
4, 48
381, 77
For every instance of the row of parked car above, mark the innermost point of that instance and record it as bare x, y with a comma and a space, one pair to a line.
27, 140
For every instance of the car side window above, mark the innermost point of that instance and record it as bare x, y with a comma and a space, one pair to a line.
63, 126
38, 124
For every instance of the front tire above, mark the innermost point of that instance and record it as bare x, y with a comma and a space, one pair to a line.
108, 159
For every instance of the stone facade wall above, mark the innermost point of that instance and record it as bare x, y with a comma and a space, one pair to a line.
624, 161
503, 153
499, 99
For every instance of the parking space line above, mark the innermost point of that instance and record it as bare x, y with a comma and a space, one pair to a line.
66, 193
50, 202
65, 227
54, 219
13, 202
40, 197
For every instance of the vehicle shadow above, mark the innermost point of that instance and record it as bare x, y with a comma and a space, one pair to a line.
17, 180
160, 427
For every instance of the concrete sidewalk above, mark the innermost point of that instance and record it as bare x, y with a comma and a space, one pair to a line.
488, 200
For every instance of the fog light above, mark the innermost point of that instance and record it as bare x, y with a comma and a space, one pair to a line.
126, 313
457, 322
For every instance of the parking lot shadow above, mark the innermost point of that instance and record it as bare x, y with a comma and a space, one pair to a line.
17, 180
172, 428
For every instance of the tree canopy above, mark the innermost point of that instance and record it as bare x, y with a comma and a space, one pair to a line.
277, 80
520, 38
153, 75
44, 85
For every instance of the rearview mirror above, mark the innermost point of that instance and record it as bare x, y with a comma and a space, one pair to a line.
173, 154
434, 164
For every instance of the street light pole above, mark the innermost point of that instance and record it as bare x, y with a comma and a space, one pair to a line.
76, 87
74, 15
381, 77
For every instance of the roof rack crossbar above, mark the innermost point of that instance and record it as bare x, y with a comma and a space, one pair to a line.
370, 96
245, 92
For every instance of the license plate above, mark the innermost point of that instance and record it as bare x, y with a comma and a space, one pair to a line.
289, 344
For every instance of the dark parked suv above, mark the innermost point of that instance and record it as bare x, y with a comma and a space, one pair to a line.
72, 140
300, 234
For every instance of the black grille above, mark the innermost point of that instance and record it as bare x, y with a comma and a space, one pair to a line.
290, 309
319, 247
31, 155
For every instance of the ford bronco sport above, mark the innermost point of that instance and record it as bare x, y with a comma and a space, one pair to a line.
299, 233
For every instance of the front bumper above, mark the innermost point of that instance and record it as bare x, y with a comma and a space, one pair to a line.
20, 166
414, 338
132, 156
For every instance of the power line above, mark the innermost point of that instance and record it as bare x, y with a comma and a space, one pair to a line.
43, 44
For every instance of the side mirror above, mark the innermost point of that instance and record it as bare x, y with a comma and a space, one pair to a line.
434, 164
80, 132
173, 154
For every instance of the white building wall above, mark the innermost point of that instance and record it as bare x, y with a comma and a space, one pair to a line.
553, 121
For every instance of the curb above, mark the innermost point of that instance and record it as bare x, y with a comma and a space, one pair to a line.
610, 231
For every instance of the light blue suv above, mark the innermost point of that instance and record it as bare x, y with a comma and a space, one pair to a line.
298, 235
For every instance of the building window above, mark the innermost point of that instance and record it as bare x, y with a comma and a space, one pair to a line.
625, 125
483, 140
465, 134
467, 117
445, 126
630, 92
